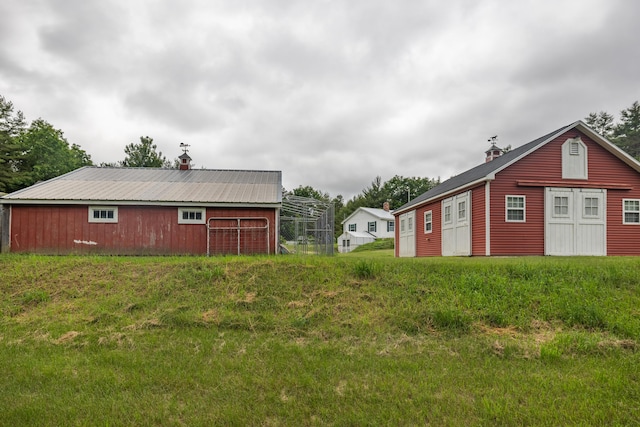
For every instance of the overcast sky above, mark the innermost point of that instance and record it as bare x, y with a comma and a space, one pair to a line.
332, 93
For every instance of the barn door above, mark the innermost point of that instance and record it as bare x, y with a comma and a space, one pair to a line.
407, 244
575, 221
456, 225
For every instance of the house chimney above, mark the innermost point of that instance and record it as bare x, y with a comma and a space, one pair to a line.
385, 206
494, 151
185, 160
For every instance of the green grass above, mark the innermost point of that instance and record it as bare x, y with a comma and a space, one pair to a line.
376, 245
345, 340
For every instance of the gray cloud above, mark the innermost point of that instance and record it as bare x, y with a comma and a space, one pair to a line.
331, 93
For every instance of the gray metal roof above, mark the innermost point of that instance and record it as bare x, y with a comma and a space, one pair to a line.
486, 171
154, 186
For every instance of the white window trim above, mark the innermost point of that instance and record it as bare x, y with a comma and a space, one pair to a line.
462, 210
202, 220
430, 213
449, 214
584, 206
569, 207
391, 226
624, 211
507, 208
113, 220
354, 226
372, 224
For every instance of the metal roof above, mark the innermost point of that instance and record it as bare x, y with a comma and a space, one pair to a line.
487, 171
155, 185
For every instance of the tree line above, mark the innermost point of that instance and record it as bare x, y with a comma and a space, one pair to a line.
35, 152
397, 191
625, 133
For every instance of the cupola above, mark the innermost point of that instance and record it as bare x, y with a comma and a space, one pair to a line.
494, 151
185, 159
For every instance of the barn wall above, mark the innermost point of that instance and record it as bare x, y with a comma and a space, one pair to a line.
429, 244
478, 221
545, 164
140, 230
4, 228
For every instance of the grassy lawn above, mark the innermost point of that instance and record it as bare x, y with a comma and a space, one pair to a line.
355, 339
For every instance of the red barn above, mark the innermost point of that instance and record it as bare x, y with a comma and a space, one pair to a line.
570, 192
133, 211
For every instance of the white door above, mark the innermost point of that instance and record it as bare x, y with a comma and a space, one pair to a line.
575, 221
407, 244
456, 225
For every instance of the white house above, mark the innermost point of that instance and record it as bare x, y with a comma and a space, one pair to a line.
365, 225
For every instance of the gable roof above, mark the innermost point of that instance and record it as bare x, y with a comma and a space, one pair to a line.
376, 212
155, 186
487, 171
359, 234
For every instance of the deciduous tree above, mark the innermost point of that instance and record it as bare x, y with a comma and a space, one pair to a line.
46, 154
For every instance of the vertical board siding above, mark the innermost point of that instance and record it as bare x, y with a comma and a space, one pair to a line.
140, 231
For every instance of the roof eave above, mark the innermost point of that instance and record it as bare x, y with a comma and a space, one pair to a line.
140, 203
444, 195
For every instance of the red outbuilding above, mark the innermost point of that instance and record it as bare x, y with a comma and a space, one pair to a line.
144, 211
570, 192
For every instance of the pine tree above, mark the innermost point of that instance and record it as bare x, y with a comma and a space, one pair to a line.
627, 132
11, 127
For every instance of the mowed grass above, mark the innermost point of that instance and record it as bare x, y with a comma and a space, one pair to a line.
345, 340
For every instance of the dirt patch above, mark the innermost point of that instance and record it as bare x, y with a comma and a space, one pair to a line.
211, 316
296, 304
68, 337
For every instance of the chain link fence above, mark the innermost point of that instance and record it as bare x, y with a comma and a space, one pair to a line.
306, 226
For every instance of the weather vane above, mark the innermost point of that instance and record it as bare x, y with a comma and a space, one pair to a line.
493, 140
185, 147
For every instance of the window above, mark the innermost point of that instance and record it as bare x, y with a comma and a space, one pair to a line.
428, 221
103, 214
462, 210
402, 225
591, 206
631, 211
191, 215
447, 214
352, 227
372, 226
561, 206
391, 226
515, 209
409, 224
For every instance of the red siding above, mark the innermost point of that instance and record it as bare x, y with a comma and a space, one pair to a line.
429, 244
140, 230
478, 221
545, 164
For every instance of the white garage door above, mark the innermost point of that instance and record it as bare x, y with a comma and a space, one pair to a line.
575, 221
407, 244
456, 225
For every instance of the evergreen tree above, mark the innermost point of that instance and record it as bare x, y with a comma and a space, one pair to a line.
627, 132
11, 126
144, 155
601, 122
